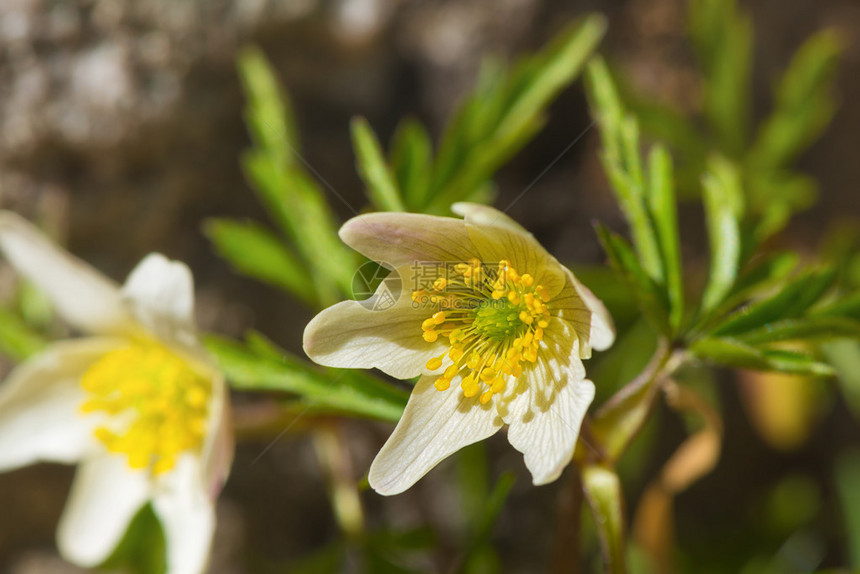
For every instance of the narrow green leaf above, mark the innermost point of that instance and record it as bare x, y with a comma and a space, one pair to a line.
644, 290
844, 355
18, 340
603, 491
346, 391
805, 102
381, 185
664, 212
804, 329
254, 251
847, 479
411, 159
723, 202
734, 353
846, 307
791, 301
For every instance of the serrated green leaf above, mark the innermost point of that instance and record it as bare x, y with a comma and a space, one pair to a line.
374, 170
803, 329
661, 201
411, 160
18, 340
734, 353
723, 201
343, 390
603, 492
622, 259
254, 251
791, 301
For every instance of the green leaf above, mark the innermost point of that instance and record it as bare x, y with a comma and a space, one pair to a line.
723, 201
18, 340
254, 251
603, 491
411, 160
622, 259
661, 199
142, 549
734, 353
791, 301
846, 307
804, 329
844, 355
346, 391
805, 102
381, 185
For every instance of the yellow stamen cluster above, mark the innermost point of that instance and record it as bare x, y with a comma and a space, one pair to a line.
157, 405
494, 320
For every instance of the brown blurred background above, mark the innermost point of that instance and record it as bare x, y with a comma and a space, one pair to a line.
120, 130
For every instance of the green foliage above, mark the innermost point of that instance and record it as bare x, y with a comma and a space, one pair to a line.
847, 479
505, 112
18, 339
258, 365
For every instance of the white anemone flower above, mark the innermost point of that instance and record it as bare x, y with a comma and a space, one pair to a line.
137, 403
495, 326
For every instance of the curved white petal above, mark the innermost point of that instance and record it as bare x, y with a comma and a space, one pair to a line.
39, 402
218, 451
498, 238
353, 335
602, 333
546, 414
105, 496
401, 239
434, 425
81, 295
187, 514
160, 294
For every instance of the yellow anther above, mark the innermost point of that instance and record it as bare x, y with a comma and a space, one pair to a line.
451, 371
456, 353
514, 297
430, 336
440, 283
497, 294
442, 384
428, 324
439, 318
498, 385
543, 324
526, 318
434, 363
538, 334
485, 397
527, 280
542, 292
487, 374
419, 296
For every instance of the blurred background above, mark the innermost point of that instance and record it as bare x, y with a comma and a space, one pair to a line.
120, 131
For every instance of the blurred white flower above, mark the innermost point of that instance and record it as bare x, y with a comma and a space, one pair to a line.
137, 403
495, 325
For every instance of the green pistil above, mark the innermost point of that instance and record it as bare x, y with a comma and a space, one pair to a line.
498, 320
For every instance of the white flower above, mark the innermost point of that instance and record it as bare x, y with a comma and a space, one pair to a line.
137, 403
494, 324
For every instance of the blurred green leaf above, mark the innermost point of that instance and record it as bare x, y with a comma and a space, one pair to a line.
374, 170
792, 300
723, 38
254, 251
734, 353
18, 340
805, 329
664, 211
506, 112
847, 479
845, 357
845, 307
605, 498
142, 550
723, 199
411, 160
805, 103
348, 391
624, 262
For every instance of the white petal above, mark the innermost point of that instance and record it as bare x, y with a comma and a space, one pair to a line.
434, 425
545, 418
81, 295
39, 402
602, 333
401, 239
105, 496
160, 294
218, 450
498, 238
355, 335
187, 514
